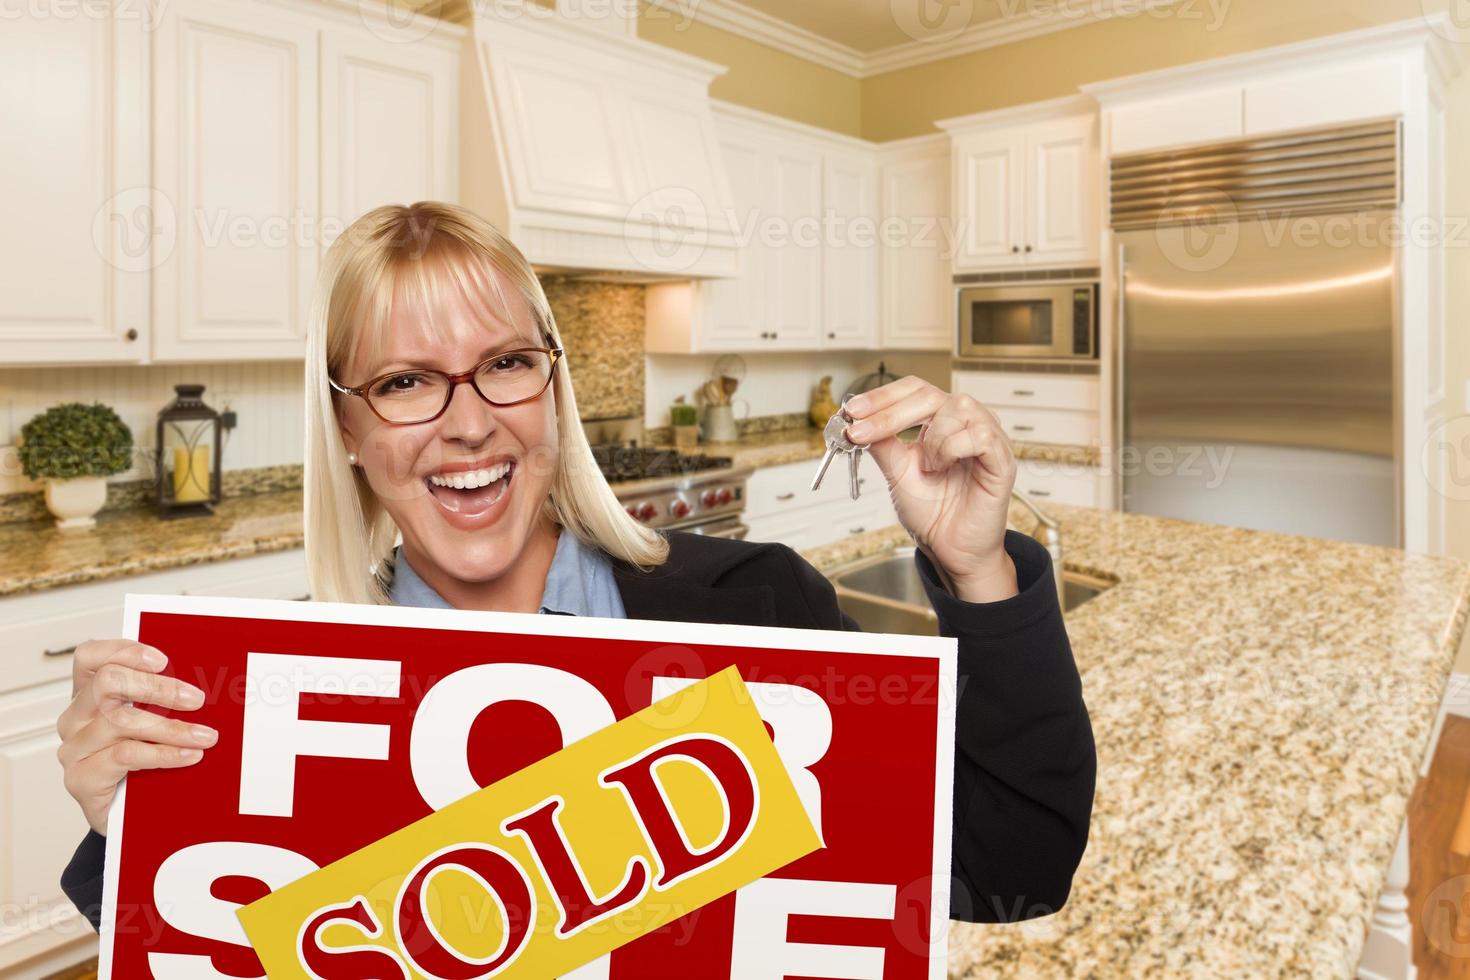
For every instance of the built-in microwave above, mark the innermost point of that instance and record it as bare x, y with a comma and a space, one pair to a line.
1033, 320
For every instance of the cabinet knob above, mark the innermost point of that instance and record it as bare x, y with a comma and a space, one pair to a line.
132, 334
1021, 391
856, 530
63, 651
1024, 428
765, 335
1028, 248
1039, 493
831, 336
1015, 248
786, 496
773, 335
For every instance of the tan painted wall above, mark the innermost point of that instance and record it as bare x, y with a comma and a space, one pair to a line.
760, 77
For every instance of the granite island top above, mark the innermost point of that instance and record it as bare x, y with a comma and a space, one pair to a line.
1261, 704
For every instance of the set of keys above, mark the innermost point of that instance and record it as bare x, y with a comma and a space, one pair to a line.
834, 434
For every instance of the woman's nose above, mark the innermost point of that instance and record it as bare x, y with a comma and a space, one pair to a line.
468, 417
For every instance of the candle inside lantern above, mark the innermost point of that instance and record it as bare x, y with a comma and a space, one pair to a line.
191, 474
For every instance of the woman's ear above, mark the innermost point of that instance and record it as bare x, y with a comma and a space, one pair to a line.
349, 438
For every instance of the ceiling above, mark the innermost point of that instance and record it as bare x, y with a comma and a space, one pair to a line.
872, 25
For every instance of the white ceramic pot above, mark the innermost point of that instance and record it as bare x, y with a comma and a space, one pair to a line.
76, 501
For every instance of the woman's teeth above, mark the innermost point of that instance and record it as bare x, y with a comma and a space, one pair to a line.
470, 479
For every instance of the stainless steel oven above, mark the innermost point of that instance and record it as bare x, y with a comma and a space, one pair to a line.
1054, 320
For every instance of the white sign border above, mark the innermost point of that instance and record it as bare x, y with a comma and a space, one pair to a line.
942, 649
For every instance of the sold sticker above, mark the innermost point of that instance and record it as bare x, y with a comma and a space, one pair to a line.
558, 863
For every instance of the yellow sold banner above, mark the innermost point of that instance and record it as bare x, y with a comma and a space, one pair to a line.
612, 837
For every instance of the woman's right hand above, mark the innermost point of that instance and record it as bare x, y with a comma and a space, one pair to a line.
104, 735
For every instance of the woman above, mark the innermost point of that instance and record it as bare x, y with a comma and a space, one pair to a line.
488, 477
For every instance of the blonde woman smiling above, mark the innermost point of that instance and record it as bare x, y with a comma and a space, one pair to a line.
440, 407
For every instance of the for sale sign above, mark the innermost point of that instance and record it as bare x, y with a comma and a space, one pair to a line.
343, 727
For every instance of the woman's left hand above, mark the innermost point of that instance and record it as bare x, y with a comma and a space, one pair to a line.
951, 486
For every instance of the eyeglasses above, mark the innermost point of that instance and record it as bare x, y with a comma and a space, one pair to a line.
413, 397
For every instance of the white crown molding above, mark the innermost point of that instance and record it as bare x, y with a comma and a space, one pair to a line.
744, 113
737, 18
1059, 108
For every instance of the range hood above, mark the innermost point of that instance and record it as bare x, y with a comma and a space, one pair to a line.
594, 151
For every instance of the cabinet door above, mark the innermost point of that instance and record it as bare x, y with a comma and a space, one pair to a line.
794, 263
735, 312
80, 227
989, 191
918, 308
40, 826
389, 118
1062, 192
235, 151
851, 261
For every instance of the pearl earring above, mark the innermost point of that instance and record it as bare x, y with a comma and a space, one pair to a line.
352, 459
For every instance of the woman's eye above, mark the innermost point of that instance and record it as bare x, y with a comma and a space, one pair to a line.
510, 362
397, 384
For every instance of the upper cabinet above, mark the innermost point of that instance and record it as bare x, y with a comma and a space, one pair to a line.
80, 222
1026, 186
235, 155
805, 219
917, 293
271, 128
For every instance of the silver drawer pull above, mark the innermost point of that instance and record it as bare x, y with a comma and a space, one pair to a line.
1023, 392
1024, 428
786, 496
61, 652
856, 530
1039, 493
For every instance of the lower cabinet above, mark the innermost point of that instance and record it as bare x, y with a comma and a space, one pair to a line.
40, 825
1062, 483
781, 506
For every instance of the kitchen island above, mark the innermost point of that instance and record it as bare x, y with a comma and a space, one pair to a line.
1261, 704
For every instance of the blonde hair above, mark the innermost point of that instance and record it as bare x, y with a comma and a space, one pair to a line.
426, 248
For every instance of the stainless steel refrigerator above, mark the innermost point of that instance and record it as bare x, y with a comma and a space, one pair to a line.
1255, 334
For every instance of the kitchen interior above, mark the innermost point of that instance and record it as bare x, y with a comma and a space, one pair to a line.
1199, 259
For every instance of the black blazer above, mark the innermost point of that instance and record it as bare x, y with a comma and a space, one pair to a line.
1024, 762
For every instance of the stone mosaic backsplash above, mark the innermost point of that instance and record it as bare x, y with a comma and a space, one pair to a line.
601, 327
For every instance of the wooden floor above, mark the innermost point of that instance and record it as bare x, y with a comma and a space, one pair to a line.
1439, 876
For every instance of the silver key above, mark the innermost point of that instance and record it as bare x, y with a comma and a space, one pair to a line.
835, 436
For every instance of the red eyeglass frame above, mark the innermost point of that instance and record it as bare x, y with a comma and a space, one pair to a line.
555, 353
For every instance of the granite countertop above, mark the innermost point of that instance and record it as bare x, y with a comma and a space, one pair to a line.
35, 555
793, 445
1261, 704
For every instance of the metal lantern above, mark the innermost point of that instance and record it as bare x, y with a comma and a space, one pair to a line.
187, 467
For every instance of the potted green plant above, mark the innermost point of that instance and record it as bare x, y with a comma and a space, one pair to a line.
685, 421
74, 448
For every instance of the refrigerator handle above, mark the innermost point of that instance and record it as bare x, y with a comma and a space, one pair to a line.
1119, 334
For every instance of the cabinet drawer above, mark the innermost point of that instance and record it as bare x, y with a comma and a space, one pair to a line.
1057, 483
1047, 425
781, 489
42, 630
1067, 391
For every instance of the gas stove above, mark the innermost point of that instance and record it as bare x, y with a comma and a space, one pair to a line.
665, 488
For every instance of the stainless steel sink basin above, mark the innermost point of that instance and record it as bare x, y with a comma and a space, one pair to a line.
884, 594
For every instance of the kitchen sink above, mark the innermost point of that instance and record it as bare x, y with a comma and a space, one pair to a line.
884, 594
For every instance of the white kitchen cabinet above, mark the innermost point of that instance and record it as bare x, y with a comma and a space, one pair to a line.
235, 152
781, 506
1026, 186
389, 125
1180, 119
850, 283
806, 206
40, 824
80, 223
1063, 409
1046, 482
918, 309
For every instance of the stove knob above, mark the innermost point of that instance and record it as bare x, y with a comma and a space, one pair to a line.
646, 511
725, 495
679, 508
632, 511
710, 498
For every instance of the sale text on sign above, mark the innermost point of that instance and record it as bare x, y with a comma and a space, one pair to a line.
352, 738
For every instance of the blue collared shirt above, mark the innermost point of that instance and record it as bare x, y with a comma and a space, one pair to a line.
579, 583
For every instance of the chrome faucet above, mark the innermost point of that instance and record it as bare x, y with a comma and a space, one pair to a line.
1049, 533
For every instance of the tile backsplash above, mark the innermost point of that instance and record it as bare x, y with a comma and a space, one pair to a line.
601, 327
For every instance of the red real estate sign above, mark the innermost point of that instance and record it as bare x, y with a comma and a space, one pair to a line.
340, 724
